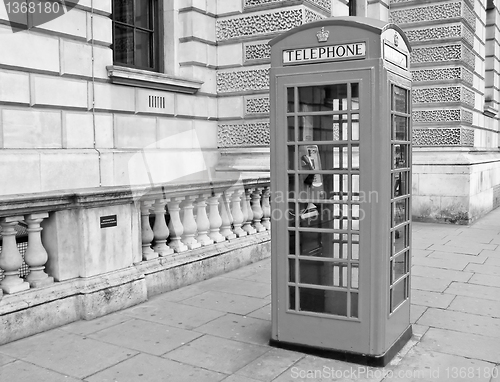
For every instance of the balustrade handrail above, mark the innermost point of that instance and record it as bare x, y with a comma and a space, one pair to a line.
21, 204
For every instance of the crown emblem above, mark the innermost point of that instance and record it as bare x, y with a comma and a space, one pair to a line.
322, 35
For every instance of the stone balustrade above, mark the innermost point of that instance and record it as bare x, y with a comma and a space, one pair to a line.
170, 220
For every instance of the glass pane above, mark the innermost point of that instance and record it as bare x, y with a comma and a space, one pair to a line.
354, 276
323, 301
291, 270
291, 242
355, 157
327, 157
323, 127
123, 11
324, 244
400, 183
355, 217
291, 298
143, 44
342, 217
400, 211
355, 187
291, 157
289, 215
354, 304
398, 267
400, 239
400, 128
291, 129
354, 96
323, 98
124, 45
291, 186
318, 215
398, 293
142, 14
355, 247
290, 96
400, 156
355, 127
400, 99
323, 273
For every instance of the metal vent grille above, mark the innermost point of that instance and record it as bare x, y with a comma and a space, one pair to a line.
156, 102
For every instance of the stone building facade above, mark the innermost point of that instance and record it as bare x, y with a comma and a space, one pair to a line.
72, 117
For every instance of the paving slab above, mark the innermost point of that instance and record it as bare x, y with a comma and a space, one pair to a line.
492, 261
239, 378
429, 284
270, 365
239, 328
85, 327
431, 366
172, 314
431, 299
149, 368
482, 279
483, 269
416, 312
461, 322
476, 306
467, 345
479, 258
428, 261
226, 302
20, 371
463, 249
243, 287
145, 336
442, 274
418, 331
263, 313
474, 290
67, 353
420, 252
5, 359
217, 354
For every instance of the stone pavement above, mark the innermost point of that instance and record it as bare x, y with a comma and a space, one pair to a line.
218, 330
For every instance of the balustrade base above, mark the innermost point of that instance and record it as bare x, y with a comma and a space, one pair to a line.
15, 288
149, 256
166, 252
42, 282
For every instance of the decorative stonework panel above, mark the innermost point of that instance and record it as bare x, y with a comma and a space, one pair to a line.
446, 115
324, 4
257, 105
455, 136
242, 80
242, 135
258, 24
439, 33
436, 53
468, 96
436, 94
468, 56
310, 16
256, 51
467, 116
436, 137
428, 13
469, 16
442, 74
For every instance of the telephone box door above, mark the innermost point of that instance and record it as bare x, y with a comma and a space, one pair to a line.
323, 136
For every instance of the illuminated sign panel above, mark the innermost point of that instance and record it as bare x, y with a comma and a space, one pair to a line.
395, 56
325, 53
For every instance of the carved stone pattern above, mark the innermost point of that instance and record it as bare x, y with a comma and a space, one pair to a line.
468, 96
436, 137
257, 51
469, 16
433, 12
242, 80
310, 16
240, 135
467, 137
428, 95
467, 116
436, 53
257, 105
434, 33
468, 56
435, 74
468, 35
467, 76
447, 115
258, 24
325, 4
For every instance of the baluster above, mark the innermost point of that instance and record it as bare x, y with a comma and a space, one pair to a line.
225, 214
36, 256
215, 218
257, 210
160, 229
175, 226
10, 258
237, 213
202, 220
189, 223
147, 232
247, 212
266, 209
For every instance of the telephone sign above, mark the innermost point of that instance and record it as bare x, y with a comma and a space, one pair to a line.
341, 178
